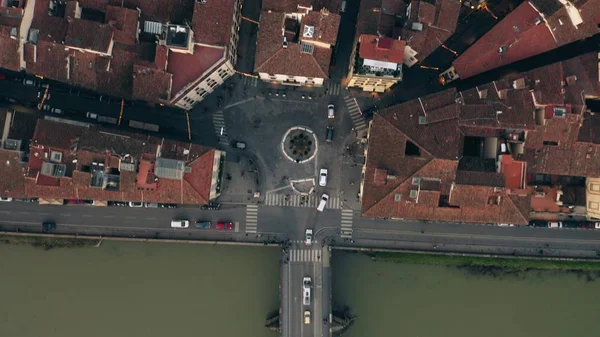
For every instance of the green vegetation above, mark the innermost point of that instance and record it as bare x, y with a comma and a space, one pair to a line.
47, 242
487, 263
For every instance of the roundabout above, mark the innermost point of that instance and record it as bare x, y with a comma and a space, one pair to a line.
299, 144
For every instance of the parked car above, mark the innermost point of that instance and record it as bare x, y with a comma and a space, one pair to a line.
5, 199
597, 225
224, 225
538, 223
150, 205
323, 177
586, 225
555, 224
570, 224
239, 145
135, 204
46, 107
56, 111
91, 115
28, 82
48, 227
203, 224
330, 111
308, 237
180, 224
329, 135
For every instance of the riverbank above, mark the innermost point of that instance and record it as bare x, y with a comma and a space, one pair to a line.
488, 263
48, 242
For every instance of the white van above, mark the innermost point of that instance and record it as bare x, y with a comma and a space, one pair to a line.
343, 7
323, 202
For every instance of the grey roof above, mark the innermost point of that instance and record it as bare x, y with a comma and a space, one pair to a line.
169, 168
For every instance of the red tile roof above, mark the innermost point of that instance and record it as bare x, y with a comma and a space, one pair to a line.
151, 84
91, 145
89, 35
212, 22
272, 58
188, 68
125, 22
285, 6
371, 48
326, 26
439, 22
46, 59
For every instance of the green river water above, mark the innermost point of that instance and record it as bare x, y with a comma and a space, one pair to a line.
147, 290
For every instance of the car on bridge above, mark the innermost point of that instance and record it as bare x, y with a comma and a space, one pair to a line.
306, 316
306, 284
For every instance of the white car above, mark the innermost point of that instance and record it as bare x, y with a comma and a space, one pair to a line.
91, 115
309, 237
323, 202
135, 204
306, 316
330, 111
323, 177
5, 199
306, 285
180, 224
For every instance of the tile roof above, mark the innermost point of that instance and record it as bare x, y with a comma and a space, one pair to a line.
188, 68
12, 181
125, 22
326, 26
212, 22
439, 22
89, 35
371, 48
151, 84
517, 34
9, 55
46, 59
89, 145
369, 15
272, 58
285, 6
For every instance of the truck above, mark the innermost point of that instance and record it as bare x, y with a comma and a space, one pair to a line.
306, 285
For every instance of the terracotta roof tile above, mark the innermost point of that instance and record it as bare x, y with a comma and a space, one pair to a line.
517, 34
480, 178
421, 11
331, 5
46, 59
150, 84
9, 56
393, 7
125, 22
212, 22
189, 68
285, 6
326, 26
89, 35
371, 48
368, 17
83, 68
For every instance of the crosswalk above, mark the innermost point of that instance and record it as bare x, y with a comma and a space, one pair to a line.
250, 81
333, 89
275, 199
251, 218
219, 123
347, 217
357, 118
305, 255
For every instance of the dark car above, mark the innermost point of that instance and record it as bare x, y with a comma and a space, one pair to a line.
224, 225
203, 224
48, 227
329, 135
537, 223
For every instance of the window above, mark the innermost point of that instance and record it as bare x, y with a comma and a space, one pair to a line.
414, 194
211, 83
411, 149
398, 197
416, 180
56, 156
494, 200
559, 112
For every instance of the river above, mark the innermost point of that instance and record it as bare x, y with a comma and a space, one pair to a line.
143, 289
434, 301
137, 289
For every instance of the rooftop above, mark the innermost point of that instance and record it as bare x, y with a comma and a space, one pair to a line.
430, 24
97, 164
212, 22
89, 35
297, 59
382, 49
187, 68
426, 156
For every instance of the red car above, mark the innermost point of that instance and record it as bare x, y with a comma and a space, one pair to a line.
224, 225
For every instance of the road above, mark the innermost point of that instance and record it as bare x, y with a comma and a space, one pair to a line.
306, 261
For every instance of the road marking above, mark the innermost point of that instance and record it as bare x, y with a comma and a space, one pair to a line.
346, 223
65, 214
108, 216
252, 219
150, 218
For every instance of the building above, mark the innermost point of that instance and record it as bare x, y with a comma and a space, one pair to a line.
428, 25
414, 31
136, 50
295, 42
534, 27
84, 162
505, 152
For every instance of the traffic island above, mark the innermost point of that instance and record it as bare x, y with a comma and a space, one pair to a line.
299, 144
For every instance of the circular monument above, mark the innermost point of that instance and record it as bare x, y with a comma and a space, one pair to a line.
299, 144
